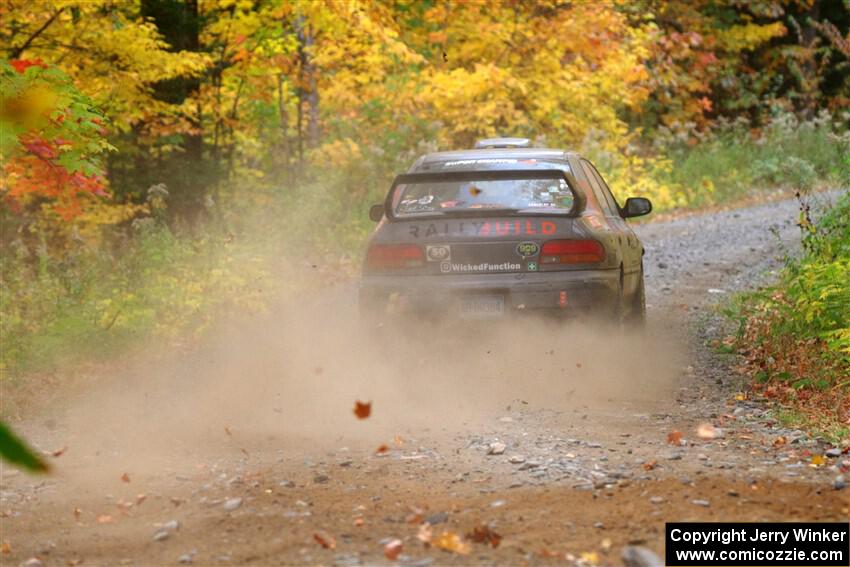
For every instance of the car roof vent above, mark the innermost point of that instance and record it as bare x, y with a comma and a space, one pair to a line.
490, 143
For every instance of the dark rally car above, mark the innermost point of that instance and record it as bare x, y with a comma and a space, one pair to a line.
504, 228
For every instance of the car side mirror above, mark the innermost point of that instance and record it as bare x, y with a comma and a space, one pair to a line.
376, 213
636, 207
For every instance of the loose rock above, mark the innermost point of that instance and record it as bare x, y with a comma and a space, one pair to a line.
496, 448
639, 556
232, 504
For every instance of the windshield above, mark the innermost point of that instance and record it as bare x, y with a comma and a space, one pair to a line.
546, 196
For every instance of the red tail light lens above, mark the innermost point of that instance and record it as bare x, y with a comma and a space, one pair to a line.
394, 257
572, 252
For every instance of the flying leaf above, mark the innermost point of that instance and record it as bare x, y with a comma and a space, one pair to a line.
708, 431
362, 409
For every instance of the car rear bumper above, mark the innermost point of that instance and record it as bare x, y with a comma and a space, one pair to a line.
566, 292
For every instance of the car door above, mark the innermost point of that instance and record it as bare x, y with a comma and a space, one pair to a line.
629, 243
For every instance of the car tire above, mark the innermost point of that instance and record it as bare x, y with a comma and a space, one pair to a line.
637, 315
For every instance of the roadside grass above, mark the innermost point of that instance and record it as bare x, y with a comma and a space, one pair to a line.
826, 429
795, 335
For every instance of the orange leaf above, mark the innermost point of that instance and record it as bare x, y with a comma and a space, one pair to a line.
649, 465
451, 542
125, 477
362, 410
105, 519
359, 521
325, 540
483, 534
381, 450
392, 549
674, 437
5, 549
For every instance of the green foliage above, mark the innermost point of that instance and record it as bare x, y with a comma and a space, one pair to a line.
799, 331
735, 161
15, 451
146, 285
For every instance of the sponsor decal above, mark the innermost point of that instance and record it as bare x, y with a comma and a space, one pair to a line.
531, 266
469, 267
438, 253
484, 228
527, 249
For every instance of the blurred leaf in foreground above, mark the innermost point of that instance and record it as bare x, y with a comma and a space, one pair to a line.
15, 451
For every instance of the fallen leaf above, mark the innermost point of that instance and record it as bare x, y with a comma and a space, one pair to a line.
398, 441
176, 501
740, 397
6, 548
606, 544
140, 498
392, 549
474, 191
105, 519
59, 452
77, 514
578, 364
590, 557
382, 449
359, 521
780, 441
227, 430
483, 534
125, 477
450, 541
818, 460
649, 465
362, 409
325, 540
674, 437
425, 533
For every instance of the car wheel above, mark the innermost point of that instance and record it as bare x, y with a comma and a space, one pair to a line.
637, 315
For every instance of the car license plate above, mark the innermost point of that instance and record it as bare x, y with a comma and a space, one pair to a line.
482, 306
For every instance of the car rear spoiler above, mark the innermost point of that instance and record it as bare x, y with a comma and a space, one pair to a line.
487, 175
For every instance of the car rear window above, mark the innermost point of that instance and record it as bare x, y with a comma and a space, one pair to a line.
531, 196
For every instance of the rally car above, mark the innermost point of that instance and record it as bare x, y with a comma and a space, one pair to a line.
504, 229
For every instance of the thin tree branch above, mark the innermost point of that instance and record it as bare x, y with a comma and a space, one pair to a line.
16, 52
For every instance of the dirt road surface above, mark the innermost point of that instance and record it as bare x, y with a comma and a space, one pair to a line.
569, 442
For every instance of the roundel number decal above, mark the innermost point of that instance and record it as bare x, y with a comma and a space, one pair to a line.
527, 249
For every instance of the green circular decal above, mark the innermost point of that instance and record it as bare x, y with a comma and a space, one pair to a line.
527, 249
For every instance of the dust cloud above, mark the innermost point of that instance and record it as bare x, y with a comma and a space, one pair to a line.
286, 383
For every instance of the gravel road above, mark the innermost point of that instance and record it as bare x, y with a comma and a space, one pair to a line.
571, 444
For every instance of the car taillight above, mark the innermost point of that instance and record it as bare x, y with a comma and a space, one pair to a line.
572, 252
394, 256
